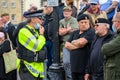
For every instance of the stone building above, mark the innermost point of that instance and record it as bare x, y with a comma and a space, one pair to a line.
16, 7
13, 7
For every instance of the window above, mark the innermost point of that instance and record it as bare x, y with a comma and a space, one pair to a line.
4, 4
12, 4
13, 17
42, 3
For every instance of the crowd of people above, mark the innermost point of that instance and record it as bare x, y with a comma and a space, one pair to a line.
86, 41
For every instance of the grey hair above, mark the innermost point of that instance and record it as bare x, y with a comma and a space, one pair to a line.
108, 26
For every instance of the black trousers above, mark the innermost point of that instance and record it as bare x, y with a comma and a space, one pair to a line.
95, 77
25, 75
10, 76
77, 76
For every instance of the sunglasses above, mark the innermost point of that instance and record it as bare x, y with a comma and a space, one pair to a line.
45, 6
98, 24
93, 4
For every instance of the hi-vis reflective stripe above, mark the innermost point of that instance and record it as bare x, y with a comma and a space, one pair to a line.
33, 70
28, 40
35, 46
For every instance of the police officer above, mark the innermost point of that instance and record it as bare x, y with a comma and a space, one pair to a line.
30, 42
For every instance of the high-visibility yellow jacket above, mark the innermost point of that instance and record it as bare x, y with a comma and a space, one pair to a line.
33, 42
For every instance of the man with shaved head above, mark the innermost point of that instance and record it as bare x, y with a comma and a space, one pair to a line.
111, 51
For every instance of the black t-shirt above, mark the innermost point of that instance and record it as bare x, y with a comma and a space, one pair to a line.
79, 57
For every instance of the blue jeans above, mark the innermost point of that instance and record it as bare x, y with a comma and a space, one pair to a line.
66, 63
49, 46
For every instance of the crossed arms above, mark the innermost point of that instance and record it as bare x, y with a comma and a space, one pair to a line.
75, 44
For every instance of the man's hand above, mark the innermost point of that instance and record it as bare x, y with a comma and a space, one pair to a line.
69, 29
81, 42
63, 31
41, 30
70, 46
76, 42
112, 7
86, 77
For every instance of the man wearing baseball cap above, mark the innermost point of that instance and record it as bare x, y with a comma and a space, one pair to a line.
66, 27
95, 12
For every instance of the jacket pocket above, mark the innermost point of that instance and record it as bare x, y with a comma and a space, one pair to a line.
117, 75
109, 72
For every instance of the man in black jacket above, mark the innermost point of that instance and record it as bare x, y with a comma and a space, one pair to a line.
8, 26
51, 25
9, 29
95, 64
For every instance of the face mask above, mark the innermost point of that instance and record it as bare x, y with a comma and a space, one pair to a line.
37, 26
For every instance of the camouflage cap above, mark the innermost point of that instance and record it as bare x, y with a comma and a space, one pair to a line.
67, 8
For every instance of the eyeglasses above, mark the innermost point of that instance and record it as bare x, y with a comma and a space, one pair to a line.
98, 24
46, 6
93, 4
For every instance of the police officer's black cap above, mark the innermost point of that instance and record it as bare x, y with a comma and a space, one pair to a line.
25, 13
83, 17
38, 14
102, 20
